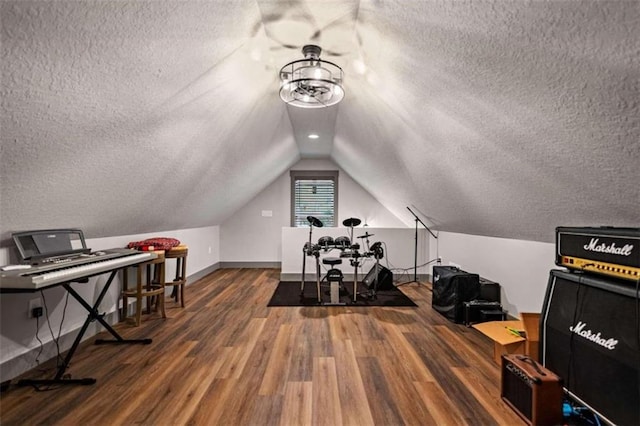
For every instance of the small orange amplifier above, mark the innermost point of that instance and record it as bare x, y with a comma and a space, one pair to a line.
533, 391
608, 251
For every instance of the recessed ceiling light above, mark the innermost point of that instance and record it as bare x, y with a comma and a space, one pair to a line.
313, 136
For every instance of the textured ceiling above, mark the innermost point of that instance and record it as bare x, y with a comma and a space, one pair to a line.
496, 118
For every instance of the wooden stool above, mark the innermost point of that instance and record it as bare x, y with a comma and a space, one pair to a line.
180, 254
152, 274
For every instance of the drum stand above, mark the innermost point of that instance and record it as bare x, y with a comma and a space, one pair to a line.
315, 252
310, 249
355, 262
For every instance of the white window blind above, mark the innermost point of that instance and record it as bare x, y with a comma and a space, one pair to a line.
314, 196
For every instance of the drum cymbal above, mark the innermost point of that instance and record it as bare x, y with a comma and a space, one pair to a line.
366, 235
314, 221
352, 221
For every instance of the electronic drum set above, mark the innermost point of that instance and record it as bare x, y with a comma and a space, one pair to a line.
348, 250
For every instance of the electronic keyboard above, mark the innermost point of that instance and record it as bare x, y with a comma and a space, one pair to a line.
67, 269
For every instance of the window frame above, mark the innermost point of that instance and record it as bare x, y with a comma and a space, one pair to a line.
311, 175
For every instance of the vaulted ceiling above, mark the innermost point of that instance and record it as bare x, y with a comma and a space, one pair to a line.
501, 118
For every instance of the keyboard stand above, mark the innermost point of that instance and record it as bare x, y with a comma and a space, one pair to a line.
93, 315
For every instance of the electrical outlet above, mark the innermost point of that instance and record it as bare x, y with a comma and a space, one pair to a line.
209, 249
33, 304
37, 312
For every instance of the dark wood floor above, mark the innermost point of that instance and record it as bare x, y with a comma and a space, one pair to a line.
228, 359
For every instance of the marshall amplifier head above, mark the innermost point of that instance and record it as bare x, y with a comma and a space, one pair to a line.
605, 250
590, 337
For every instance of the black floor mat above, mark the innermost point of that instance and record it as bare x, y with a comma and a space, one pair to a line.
288, 294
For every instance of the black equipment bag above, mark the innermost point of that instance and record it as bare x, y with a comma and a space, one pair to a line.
451, 288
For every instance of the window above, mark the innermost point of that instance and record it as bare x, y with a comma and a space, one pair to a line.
314, 193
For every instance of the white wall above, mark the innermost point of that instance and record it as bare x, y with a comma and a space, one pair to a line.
399, 244
18, 331
247, 236
521, 267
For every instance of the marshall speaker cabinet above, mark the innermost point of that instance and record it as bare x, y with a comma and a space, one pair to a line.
589, 336
451, 288
608, 251
534, 392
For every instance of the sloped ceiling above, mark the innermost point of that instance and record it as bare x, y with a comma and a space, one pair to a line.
495, 118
